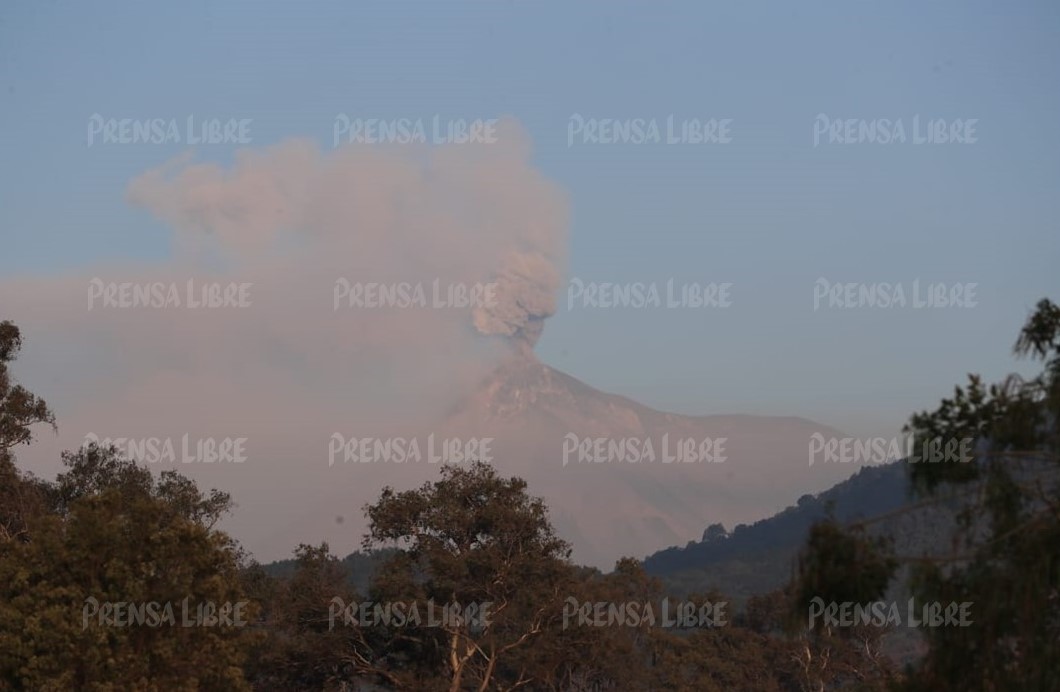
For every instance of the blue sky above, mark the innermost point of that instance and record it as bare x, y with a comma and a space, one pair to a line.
769, 211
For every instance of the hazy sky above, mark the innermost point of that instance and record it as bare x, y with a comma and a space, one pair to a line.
768, 211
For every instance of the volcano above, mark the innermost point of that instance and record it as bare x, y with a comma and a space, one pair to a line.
623, 479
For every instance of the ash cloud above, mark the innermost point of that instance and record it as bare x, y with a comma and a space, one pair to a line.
291, 369
458, 213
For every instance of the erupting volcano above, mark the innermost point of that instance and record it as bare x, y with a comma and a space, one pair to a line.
618, 475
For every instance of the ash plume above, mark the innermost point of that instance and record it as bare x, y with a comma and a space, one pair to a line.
525, 298
294, 367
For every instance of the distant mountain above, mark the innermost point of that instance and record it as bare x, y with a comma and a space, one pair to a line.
360, 567
757, 558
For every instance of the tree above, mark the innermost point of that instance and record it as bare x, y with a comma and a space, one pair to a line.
303, 648
1004, 560
115, 544
19, 409
20, 494
715, 532
475, 539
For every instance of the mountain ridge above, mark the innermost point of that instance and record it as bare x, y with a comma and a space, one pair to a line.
536, 413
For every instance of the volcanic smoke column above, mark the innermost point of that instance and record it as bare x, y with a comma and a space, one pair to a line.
525, 297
